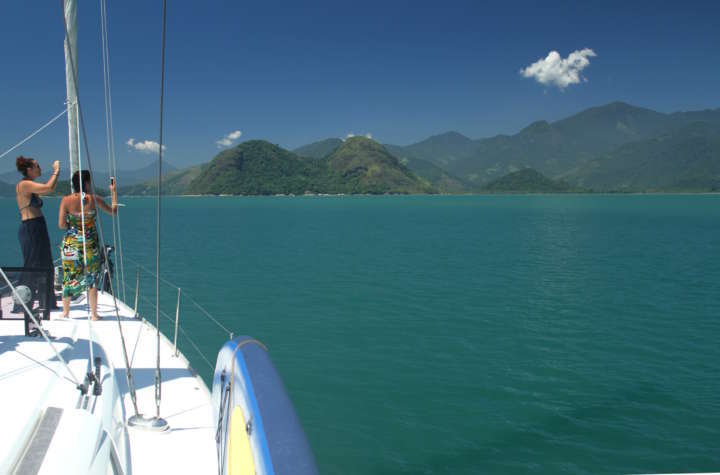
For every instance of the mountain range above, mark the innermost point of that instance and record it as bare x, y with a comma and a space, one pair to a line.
614, 147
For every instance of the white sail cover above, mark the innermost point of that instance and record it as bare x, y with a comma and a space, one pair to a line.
73, 134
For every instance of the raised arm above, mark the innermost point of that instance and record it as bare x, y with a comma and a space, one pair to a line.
101, 203
28, 186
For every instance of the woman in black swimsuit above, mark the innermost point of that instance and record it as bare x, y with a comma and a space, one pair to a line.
33, 233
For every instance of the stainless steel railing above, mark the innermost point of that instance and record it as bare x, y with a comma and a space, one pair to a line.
182, 297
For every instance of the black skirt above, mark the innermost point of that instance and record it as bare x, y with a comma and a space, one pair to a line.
35, 245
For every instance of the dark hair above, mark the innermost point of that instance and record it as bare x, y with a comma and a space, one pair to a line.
23, 164
76, 180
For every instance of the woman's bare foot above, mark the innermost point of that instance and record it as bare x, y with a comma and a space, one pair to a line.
65, 315
95, 318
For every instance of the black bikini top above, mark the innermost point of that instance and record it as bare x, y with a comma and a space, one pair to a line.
35, 202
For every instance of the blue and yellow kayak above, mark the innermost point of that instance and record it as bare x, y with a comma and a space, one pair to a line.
258, 430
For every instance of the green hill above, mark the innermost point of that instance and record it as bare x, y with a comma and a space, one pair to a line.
527, 181
362, 165
258, 167
319, 149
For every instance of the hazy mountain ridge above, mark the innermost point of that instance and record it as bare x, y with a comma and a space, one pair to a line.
174, 183
558, 149
687, 159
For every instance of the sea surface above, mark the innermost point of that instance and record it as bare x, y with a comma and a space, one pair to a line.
455, 334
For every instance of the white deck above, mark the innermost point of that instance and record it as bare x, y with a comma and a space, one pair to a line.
189, 445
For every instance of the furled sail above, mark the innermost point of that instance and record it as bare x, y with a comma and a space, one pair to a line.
70, 58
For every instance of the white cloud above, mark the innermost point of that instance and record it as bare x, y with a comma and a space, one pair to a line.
556, 71
146, 146
351, 135
228, 140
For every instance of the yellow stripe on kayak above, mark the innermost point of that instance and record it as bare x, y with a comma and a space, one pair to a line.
239, 456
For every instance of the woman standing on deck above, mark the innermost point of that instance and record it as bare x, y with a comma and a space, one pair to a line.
33, 233
80, 251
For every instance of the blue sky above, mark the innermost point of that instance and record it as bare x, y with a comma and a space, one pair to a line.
297, 72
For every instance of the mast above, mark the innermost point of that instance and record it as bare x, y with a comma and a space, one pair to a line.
70, 57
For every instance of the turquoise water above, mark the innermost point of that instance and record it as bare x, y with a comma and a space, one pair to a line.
459, 335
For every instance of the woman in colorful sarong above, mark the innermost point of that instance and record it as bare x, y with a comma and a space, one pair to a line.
81, 259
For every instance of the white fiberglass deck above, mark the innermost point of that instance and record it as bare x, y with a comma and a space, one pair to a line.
187, 447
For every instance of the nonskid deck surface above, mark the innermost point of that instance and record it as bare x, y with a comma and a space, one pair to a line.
189, 445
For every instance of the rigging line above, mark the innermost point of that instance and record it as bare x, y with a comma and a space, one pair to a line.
186, 295
162, 279
119, 249
190, 340
44, 366
158, 378
108, 131
208, 314
111, 166
63, 112
81, 121
84, 242
39, 327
